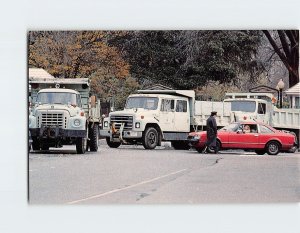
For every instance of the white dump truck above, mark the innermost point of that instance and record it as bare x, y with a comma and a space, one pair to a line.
152, 116
62, 112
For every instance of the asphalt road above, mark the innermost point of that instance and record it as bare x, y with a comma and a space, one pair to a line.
133, 175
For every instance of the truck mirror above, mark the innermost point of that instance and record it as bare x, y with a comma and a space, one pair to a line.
93, 101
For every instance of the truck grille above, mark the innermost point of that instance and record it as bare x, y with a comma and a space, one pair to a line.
118, 120
52, 119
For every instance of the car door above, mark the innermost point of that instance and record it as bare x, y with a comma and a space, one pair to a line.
242, 140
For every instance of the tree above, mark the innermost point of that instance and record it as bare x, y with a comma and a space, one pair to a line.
73, 54
187, 59
286, 45
113, 89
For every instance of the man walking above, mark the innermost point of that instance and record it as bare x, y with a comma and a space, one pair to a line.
211, 131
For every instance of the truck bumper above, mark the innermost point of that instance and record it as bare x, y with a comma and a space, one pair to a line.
56, 132
125, 134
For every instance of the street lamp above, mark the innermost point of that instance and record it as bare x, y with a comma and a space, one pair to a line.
280, 86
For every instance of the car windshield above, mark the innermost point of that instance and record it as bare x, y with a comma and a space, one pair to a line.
149, 103
230, 128
243, 106
56, 98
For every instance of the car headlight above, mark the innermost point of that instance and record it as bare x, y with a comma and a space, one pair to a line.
105, 124
197, 137
137, 125
77, 122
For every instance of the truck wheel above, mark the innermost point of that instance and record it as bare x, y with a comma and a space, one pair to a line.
272, 148
112, 144
81, 145
35, 144
150, 138
45, 147
94, 138
180, 145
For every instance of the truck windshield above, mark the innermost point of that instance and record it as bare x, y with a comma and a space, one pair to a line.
149, 103
56, 98
243, 106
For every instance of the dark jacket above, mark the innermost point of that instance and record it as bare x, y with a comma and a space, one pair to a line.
211, 128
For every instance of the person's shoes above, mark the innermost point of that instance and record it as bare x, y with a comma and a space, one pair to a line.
204, 151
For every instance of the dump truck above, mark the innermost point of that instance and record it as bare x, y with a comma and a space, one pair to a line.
63, 112
153, 116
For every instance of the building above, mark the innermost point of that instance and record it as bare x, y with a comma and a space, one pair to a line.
293, 94
38, 73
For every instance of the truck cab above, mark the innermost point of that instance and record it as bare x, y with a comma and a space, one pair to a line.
148, 118
245, 106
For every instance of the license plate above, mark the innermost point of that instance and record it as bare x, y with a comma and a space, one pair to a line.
134, 134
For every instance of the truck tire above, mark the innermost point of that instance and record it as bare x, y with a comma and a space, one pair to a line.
81, 145
45, 147
112, 144
180, 145
35, 144
150, 138
94, 138
273, 148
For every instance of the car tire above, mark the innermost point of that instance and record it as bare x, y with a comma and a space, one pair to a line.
112, 144
273, 148
199, 149
150, 138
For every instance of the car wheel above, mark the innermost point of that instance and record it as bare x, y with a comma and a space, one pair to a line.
260, 152
199, 149
272, 148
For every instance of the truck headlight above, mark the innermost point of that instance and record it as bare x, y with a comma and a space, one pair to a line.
77, 122
105, 123
137, 125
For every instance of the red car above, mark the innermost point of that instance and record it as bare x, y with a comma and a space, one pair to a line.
255, 136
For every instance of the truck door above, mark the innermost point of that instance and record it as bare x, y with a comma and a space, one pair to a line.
261, 112
167, 113
182, 116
